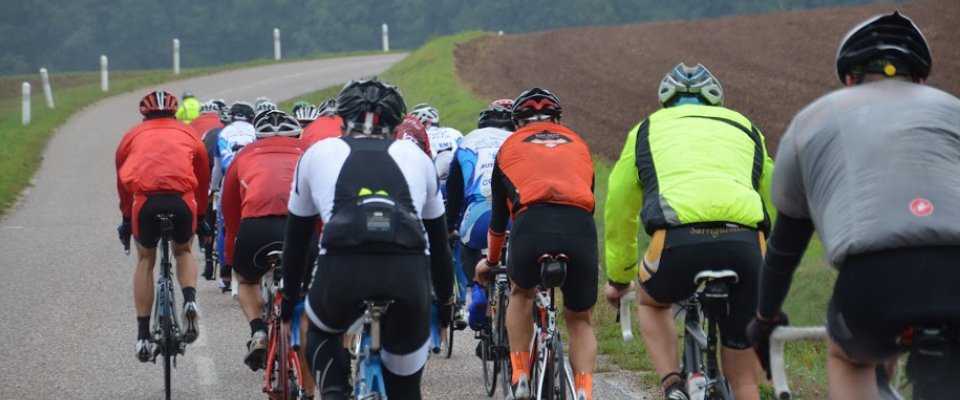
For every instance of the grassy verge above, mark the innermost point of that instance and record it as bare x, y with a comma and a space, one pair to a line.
427, 76
20, 156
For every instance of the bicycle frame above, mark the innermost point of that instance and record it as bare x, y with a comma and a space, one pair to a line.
166, 328
278, 387
368, 373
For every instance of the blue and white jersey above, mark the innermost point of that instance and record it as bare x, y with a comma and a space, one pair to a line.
476, 155
444, 142
232, 138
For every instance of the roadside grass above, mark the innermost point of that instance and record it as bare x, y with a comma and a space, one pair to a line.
21, 154
427, 75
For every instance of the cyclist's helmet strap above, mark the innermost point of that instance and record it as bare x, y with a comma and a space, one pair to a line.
885, 44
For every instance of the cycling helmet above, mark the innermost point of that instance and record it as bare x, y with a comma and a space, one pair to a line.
536, 105
427, 114
328, 108
209, 108
241, 111
684, 85
298, 104
306, 114
411, 129
505, 103
187, 94
887, 44
276, 123
262, 99
370, 106
225, 115
265, 106
220, 103
159, 102
496, 116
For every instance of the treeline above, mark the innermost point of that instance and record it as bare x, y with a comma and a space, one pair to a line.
66, 35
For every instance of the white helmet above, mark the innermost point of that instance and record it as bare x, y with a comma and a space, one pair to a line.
690, 85
427, 114
276, 123
307, 113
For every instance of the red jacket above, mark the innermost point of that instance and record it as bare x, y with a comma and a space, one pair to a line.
161, 155
322, 128
258, 183
204, 123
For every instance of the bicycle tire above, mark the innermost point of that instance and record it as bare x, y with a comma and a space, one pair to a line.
562, 381
166, 323
286, 392
502, 343
490, 365
451, 330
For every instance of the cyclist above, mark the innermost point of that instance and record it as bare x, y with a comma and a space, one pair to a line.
240, 132
468, 195
325, 126
543, 179
412, 130
209, 118
698, 174
162, 168
210, 140
298, 105
189, 109
305, 115
262, 107
870, 168
361, 261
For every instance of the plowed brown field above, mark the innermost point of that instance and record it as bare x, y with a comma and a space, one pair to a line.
770, 65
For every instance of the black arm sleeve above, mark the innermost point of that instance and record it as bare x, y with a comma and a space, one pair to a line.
454, 195
500, 215
441, 261
296, 246
785, 248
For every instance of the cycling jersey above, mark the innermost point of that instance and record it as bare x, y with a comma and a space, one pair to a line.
189, 110
468, 195
875, 167
161, 155
322, 128
205, 123
232, 138
682, 165
210, 141
443, 143
258, 183
542, 162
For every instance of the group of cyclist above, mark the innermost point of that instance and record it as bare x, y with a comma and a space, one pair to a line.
367, 202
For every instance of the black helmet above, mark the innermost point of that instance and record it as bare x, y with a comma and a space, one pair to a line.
370, 106
536, 105
328, 108
241, 111
496, 116
885, 44
187, 94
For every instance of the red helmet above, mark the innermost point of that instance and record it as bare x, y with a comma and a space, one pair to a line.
159, 102
413, 130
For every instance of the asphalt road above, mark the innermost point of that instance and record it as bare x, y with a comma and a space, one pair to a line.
67, 323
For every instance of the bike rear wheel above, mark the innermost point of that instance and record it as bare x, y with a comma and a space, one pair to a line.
562, 382
490, 364
451, 330
167, 346
502, 346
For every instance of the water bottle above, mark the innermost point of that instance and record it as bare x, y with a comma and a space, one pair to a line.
696, 386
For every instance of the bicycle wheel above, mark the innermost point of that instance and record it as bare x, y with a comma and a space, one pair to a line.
561, 381
490, 364
167, 347
451, 330
502, 346
283, 362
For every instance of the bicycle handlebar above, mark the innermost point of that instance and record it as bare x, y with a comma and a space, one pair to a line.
778, 337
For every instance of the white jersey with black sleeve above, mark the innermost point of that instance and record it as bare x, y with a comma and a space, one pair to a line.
321, 168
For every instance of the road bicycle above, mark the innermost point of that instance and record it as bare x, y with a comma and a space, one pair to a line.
494, 343
932, 364
549, 376
441, 339
368, 369
700, 369
166, 335
283, 372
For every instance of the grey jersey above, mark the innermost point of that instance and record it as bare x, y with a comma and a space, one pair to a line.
875, 166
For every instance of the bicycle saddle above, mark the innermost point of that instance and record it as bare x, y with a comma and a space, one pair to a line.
553, 270
723, 275
266, 254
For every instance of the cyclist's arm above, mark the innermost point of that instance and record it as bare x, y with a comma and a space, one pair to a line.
765, 180
499, 215
216, 174
784, 250
230, 206
441, 261
181, 112
620, 216
454, 194
126, 198
200, 169
301, 222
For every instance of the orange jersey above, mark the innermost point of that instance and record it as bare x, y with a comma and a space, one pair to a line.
204, 123
161, 155
322, 128
545, 162
258, 183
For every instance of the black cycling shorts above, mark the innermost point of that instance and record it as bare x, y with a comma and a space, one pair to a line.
552, 229
688, 250
880, 294
147, 226
255, 239
343, 282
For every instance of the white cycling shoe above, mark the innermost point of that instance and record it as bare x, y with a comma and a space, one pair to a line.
191, 322
144, 350
521, 390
